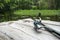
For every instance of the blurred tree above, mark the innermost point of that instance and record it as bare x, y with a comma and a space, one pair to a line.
57, 3
53, 4
5, 9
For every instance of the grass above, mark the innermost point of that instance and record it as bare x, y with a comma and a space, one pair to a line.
35, 12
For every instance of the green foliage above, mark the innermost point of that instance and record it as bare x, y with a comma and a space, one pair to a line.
45, 14
28, 7
35, 12
31, 4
